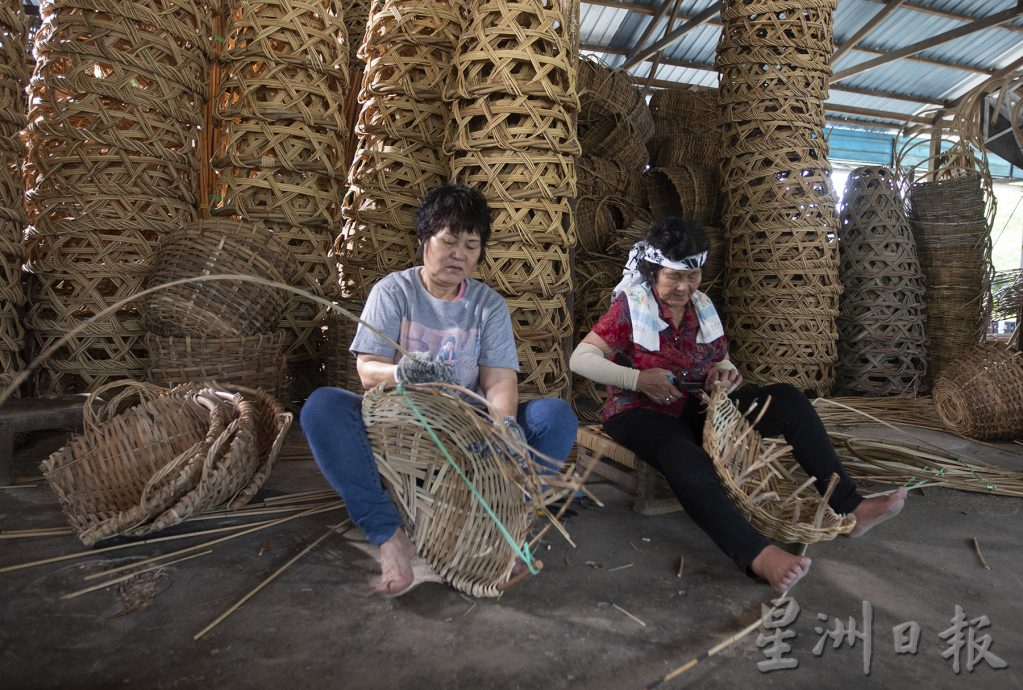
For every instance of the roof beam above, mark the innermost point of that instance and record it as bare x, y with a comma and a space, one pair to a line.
694, 22
919, 46
889, 7
920, 100
652, 23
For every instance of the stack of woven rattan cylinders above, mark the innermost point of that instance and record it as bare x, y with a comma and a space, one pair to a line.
953, 239
13, 79
610, 209
279, 151
684, 180
407, 49
116, 102
511, 135
980, 393
881, 341
779, 213
218, 330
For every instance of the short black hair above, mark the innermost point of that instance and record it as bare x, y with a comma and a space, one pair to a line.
454, 206
677, 238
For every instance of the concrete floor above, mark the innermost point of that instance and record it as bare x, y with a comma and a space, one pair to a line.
319, 625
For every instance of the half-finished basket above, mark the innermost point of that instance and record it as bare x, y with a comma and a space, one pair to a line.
191, 449
759, 478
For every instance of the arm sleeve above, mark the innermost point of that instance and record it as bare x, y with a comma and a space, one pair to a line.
587, 360
384, 309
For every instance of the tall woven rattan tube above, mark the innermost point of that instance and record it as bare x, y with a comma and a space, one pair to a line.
115, 106
881, 337
779, 215
13, 79
952, 232
280, 148
512, 135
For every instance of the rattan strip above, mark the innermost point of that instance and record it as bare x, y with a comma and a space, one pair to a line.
980, 393
759, 478
255, 361
189, 450
217, 308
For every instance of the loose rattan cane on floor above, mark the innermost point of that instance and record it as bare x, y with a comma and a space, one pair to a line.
760, 479
217, 308
980, 393
449, 526
191, 449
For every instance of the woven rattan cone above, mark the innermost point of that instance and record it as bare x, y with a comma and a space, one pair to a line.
759, 478
537, 222
221, 307
310, 33
399, 117
526, 269
511, 176
516, 122
189, 450
687, 190
394, 22
256, 361
255, 88
543, 368
518, 47
449, 526
980, 393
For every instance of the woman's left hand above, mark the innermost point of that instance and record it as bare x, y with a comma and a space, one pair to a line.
730, 377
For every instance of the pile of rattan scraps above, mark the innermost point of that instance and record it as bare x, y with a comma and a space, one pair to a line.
181, 452
459, 481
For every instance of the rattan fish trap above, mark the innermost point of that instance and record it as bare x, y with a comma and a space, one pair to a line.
512, 176
191, 449
511, 122
217, 307
882, 343
687, 190
980, 393
450, 527
518, 47
255, 361
368, 252
278, 196
294, 146
395, 22
760, 478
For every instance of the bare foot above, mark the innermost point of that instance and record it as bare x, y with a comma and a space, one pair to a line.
780, 568
396, 556
873, 511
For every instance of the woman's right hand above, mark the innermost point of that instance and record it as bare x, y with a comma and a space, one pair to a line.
655, 384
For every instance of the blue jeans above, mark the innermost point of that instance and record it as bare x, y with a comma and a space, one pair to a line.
332, 422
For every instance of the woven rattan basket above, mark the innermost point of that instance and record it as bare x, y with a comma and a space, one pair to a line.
450, 527
759, 478
980, 393
219, 307
192, 449
255, 361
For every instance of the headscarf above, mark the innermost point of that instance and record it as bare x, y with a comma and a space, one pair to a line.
646, 320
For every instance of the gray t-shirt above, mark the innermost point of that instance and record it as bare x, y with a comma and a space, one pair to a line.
471, 331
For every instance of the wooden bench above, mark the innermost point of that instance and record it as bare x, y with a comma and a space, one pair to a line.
32, 414
607, 459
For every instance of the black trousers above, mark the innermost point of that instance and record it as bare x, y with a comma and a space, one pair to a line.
672, 445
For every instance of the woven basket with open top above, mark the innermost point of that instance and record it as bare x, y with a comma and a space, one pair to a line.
191, 449
760, 479
980, 393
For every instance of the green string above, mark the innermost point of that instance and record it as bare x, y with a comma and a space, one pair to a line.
523, 553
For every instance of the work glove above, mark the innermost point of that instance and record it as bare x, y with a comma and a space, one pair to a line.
517, 431
419, 367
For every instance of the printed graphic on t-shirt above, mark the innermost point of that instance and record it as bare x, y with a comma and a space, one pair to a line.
457, 347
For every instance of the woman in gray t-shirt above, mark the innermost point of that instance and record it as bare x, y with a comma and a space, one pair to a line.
459, 331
